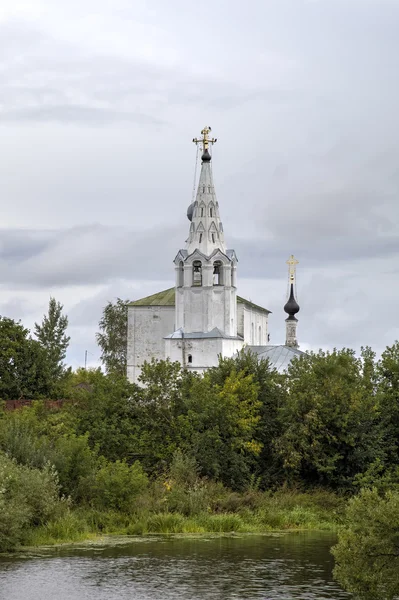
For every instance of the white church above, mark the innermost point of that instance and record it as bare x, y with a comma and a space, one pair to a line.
202, 317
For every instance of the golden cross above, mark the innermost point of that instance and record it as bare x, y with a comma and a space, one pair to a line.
292, 262
205, 141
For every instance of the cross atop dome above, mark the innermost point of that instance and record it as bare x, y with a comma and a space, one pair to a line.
292, 262
205, 141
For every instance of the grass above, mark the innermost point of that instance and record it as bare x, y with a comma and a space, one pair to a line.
254, 512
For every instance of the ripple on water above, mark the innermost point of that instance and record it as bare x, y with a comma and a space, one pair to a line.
245, 567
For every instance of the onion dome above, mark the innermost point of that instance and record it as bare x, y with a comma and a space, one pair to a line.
190, 211
206, 157
292, 306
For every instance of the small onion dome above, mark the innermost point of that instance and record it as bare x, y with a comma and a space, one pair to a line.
190, 211
292, 306
206, 157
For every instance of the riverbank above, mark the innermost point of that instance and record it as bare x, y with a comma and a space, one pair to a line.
255, 512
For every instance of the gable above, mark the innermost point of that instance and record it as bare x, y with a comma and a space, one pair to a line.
167, 298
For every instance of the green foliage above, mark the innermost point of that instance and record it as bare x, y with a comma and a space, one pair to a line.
271, 395
24, 368
367, 553
112, 337
330, 420
117, 485
51, 335
28, 498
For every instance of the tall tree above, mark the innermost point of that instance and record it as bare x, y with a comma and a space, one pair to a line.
24, 369
51, 335
112, 337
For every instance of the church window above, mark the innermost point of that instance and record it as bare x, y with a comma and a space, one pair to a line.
200, 237
211, 212
180, 278
202, 212
203, 189
213, 237
209, 188
197, 273
217, 273
190, 359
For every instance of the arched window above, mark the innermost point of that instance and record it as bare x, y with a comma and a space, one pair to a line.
202, 211
189, 359
200, 237
180, 280
213, 237
211, 212
197, 273
217, 273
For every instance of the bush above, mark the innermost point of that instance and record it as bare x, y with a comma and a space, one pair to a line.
116, 485
28, 498
367, 553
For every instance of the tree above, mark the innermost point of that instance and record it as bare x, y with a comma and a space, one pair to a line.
330, 419
112, 337
51, 335
367, 553
24, 368
271, 395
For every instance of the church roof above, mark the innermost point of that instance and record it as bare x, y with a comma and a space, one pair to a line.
167, 298
214, 333
164, 298
279, 356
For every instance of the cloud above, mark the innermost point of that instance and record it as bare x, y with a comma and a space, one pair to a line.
98, 106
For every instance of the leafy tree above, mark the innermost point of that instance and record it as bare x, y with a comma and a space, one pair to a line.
330, 419
102, 408
367, 553
218, 427
388, 399
24, 368
112, 337
271, 394
51, 334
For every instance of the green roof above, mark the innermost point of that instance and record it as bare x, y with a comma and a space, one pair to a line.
167, 298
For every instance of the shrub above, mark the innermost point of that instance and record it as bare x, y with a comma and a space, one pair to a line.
116, 485
28, 498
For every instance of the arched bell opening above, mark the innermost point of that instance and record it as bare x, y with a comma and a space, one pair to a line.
218, 273
197, 273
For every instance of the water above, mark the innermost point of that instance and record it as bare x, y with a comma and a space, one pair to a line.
274, 567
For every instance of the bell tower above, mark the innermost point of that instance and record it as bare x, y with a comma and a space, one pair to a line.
206, 296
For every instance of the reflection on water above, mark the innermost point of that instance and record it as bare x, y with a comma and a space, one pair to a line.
248, 567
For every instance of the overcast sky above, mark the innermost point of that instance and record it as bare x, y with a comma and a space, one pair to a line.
99, 101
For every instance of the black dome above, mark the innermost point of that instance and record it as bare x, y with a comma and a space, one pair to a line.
292, 306
190, 211
206, 157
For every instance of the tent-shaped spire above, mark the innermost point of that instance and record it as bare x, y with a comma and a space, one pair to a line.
206, 229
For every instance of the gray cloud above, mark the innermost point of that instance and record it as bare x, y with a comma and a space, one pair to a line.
97, 110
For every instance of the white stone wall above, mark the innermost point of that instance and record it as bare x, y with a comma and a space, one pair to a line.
204, 352
204, 308
252, 325
147, 326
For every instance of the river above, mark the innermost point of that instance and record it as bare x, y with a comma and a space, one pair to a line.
267, 567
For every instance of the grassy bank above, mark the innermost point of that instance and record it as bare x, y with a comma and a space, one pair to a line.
253, 512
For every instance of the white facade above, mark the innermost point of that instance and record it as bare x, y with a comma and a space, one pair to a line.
147, 327
201, 318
